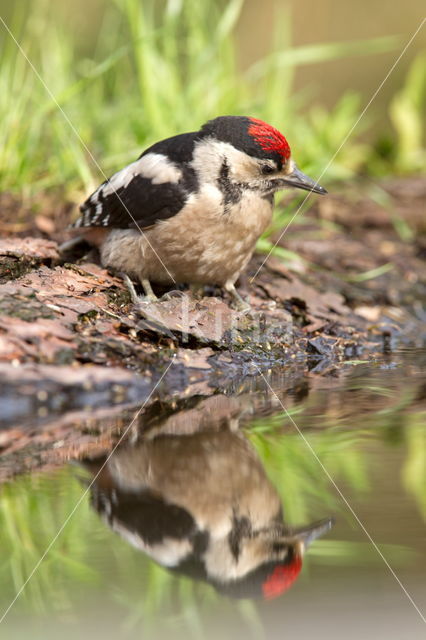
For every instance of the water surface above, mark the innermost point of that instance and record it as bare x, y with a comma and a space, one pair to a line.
182, 530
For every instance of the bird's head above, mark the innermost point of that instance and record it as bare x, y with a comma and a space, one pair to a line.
249, 152
269, 560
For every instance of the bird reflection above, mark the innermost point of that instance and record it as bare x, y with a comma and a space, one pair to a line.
202, 505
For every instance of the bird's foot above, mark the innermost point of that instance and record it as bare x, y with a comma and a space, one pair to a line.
238, 303
144, 300
149, 296
242, 306
171, 295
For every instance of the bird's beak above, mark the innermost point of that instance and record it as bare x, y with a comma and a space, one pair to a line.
298, 179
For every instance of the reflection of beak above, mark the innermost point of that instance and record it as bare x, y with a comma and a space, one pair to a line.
301, 537
306, 535
298, 179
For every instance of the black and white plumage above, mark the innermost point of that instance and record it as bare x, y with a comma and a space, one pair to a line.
202, 505
192, 207
150, 189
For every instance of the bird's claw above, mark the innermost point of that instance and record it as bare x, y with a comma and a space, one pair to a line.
144, 300
238, 303
242, 306
170, 295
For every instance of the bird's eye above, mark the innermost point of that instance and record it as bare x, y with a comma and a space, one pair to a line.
266, 169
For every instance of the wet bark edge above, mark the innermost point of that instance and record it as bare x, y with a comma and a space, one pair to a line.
71, 331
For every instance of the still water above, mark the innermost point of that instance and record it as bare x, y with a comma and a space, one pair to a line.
269, 511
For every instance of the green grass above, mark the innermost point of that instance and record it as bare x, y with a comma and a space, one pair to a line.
155, 69
405, 152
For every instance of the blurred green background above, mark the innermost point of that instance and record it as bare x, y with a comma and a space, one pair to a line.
128, 72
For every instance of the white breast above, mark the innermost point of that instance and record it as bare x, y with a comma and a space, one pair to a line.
202, 244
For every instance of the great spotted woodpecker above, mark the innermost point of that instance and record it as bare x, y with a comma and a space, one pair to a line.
192, 207
202, 505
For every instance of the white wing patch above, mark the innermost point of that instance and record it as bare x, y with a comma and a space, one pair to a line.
169, 553
153, 166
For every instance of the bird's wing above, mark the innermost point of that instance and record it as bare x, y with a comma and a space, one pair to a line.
152, 188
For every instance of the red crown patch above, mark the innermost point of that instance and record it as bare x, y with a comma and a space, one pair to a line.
269, 138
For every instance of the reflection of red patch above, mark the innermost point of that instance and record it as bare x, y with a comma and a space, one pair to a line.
281, 579
268, 138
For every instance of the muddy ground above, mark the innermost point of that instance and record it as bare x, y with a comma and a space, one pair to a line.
73, 346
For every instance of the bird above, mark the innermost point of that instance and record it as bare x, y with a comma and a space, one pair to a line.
200, 504
191, 208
